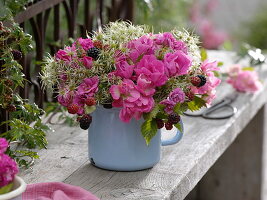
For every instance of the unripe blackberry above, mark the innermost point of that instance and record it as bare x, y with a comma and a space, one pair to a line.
90, 101
93, 52
73, 109
98, 44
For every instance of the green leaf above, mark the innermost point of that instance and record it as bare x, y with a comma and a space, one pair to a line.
177, 108
220, 64
248, 69
179, 127
227, 45
149, 130
89, 109
203, 54
153, 113
196, 104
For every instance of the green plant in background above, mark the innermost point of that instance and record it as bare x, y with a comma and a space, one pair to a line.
256, 34
26, 129
162, 15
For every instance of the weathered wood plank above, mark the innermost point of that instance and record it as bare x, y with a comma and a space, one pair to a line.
67, 151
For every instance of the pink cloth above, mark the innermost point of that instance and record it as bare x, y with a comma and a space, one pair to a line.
56, 191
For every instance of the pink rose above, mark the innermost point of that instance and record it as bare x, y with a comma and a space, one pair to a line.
3, 145
8, 170
87, 62
176, 63
89, 86
152, 69
62, 55
245, 81
167, 39
85, 43
139, 47
132, 99
66, 99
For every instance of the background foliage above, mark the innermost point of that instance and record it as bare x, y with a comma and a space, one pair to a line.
26, 130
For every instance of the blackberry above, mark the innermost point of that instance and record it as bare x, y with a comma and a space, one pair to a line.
11, 108
17, 55
107, 105
85, 121
93, 52
8, 98
190, 95
160, 123
8, 82
203, 80
168, 126
173, 118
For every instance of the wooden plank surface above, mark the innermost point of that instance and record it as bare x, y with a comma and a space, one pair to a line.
181, 166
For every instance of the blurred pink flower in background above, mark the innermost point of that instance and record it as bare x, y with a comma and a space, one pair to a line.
243, 80
210, 36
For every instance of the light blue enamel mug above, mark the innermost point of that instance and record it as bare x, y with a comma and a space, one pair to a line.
115, 145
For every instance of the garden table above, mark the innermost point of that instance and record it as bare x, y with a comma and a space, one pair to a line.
235, 143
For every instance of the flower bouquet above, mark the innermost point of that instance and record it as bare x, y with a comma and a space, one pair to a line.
10, 184
156, 77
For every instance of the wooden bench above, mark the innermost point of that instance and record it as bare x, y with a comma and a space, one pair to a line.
237, 144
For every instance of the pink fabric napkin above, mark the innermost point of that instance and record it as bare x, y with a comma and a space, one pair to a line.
56, 191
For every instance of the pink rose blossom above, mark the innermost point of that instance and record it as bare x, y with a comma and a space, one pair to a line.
234, 70
245, 81
89, 86
8, 170
139, 47
211, 80
87, 62
62, 55
169, 105
145, 86
133, 102
167, 39
176, 96
153, 69
123, 69
176, 63
85, 43
3, 145
66, 99
211, 37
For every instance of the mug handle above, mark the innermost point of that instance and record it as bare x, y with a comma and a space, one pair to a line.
178, 136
